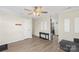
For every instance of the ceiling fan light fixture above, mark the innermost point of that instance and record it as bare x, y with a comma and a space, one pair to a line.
34, 13
38, 14
37, 11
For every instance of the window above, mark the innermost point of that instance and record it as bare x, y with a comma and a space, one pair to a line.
66, 25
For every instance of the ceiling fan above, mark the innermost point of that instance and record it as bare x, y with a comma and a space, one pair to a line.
36, 11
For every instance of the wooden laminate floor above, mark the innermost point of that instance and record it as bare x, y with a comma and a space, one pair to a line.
35, 45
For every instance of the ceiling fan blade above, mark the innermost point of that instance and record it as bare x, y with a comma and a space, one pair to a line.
44, 12
30, 13
67, 8
27, 9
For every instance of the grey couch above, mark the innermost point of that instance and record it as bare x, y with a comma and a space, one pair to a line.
69, 46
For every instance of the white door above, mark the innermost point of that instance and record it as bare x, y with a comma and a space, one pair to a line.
27, 28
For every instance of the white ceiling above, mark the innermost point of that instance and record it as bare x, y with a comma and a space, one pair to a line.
19, 10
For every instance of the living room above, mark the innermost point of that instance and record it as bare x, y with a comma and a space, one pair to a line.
38, 28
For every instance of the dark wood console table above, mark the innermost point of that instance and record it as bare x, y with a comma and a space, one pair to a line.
45, 34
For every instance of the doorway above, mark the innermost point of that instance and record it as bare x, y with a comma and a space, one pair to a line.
53, 27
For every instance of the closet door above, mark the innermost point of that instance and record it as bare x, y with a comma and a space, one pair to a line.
27, 28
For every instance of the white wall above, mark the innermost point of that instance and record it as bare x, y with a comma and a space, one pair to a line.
41, 24
9, 32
